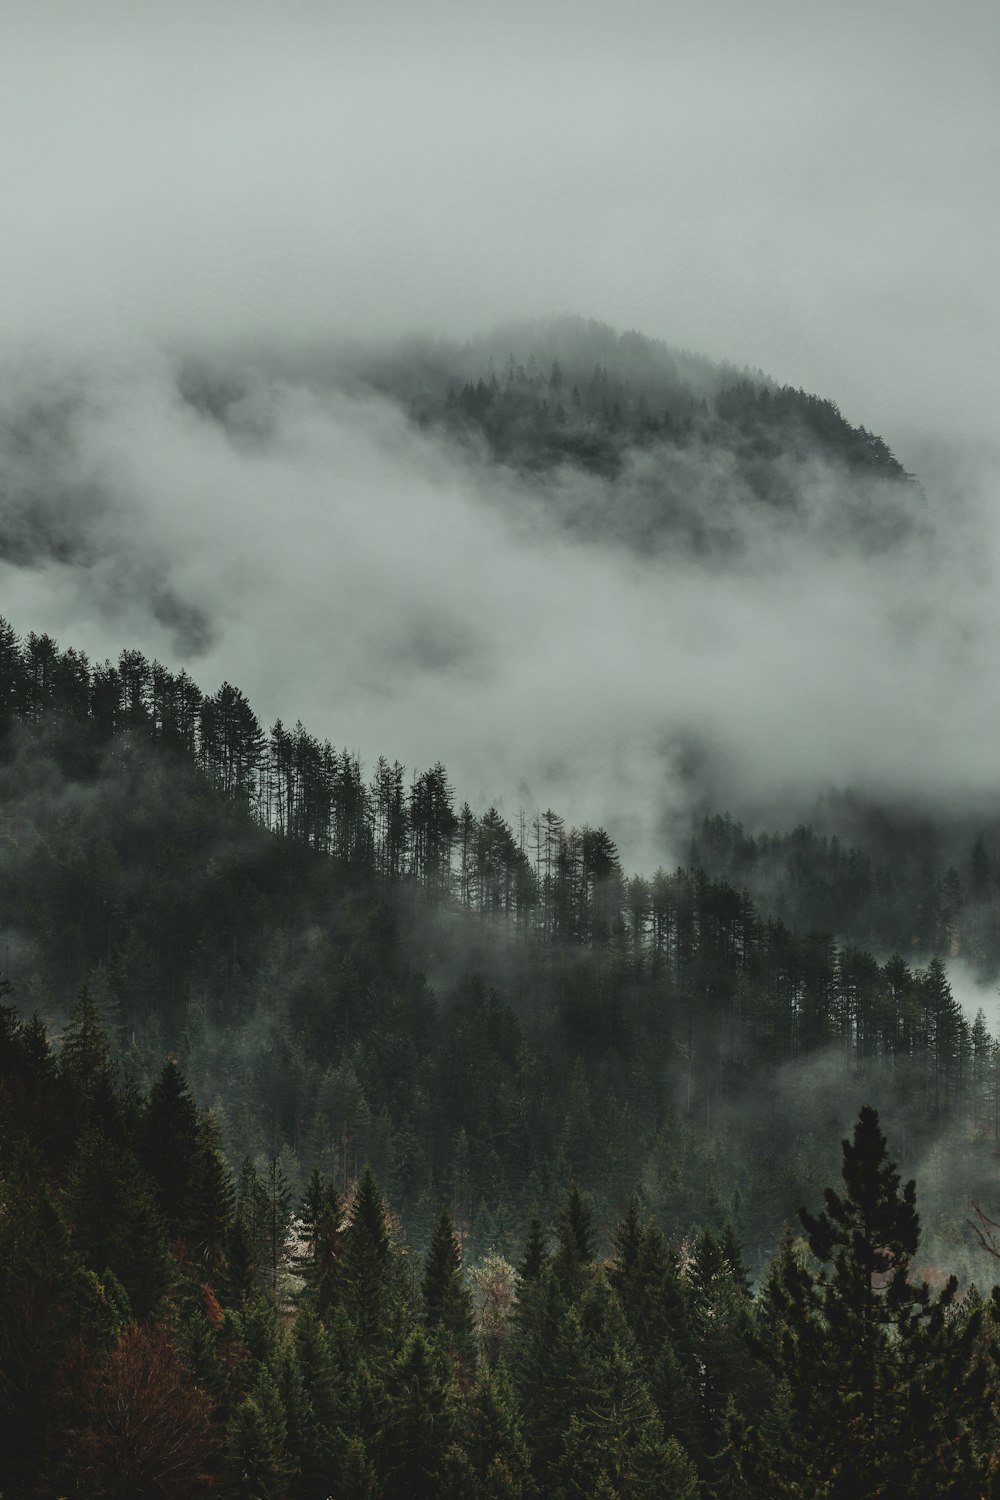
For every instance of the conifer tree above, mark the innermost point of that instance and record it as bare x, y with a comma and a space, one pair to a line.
170, 1144
535, 1257
247, 1238
278, 1199
367, 1252
116, 1223
618, 1441
496, 1449
211, 1201
326, 1412
447, 1301
321, 1262
258, 1465
732, 1252
85, 1053
576, 1243
420, 1422
885, 1397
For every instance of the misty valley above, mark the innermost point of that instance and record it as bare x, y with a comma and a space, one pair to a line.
565, 1061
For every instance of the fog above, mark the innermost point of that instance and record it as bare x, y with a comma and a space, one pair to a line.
812, 194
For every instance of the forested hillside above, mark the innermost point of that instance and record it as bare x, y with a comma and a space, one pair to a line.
499, 798
353, 966
315, 1036
168, 1330
613, 437
909, 879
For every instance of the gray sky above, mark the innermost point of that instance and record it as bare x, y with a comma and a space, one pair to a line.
809, 189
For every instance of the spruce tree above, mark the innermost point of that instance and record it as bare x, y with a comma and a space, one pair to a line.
576, 1244
885, 1396
421, 1421
170, 1145
320, 1263
447, 1302
535, 1257
494, 1444
258, 1465
211, 1200
116, 1223
367, 1253
85, 1053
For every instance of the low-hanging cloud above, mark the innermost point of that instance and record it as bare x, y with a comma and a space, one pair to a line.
406, 597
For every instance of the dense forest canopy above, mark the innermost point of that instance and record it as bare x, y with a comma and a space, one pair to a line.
493, 1236
321, 937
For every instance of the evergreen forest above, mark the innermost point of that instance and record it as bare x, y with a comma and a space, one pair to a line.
358, 1144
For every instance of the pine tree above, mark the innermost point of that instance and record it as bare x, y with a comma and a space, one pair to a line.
170, 1145
85, 1054
116, 1223
278, 1199
258, 1465
211, 1201
420, 1423
367, 1253
884, 1396
576, 1244
535, 1257
321, 1262
447, 1301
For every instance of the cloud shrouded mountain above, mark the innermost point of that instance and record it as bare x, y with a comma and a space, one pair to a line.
581, 569
705, 588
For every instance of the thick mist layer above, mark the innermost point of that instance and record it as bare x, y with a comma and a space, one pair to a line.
407, 597
808, 189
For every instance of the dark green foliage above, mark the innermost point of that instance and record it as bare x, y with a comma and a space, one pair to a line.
85, 1053
116, 1223
447, 1301
535, 1257
40, 1323
497, 1455
617, 1443
626, 1376
170, 1145
367, 1273
421, 1421
884, 1398
339, 1050
648, 1040
320, 1262
259, 1466
318, 1412
575, 1251
277, 1202
211, 1202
